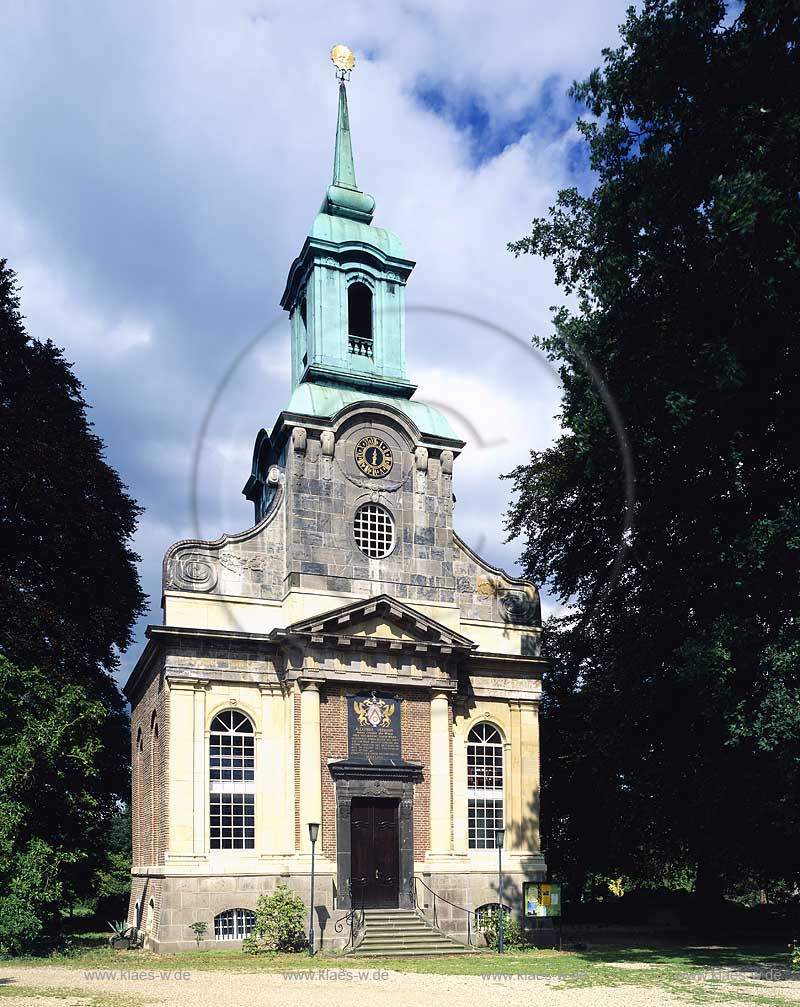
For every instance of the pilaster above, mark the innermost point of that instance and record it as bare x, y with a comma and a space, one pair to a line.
439, 771
530, 777
181, 760
310, 763
199, 763
460, 801
514, 769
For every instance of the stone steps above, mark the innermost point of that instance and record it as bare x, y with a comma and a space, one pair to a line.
401, 933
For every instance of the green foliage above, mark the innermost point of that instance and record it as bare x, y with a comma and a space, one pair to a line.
280, 923
19, 923
671, 723
50, 745
111, 882
794, 956
199, 929
513, 936
69, 597
114, 879
70, 593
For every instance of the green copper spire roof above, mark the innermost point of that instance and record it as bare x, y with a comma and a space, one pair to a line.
344, 198
344, 170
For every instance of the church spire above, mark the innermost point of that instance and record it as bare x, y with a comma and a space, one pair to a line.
344, 170
344, 198
345, 292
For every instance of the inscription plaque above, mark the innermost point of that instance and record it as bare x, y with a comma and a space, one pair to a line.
373, 727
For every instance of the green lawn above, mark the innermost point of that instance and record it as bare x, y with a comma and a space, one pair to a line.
693, 973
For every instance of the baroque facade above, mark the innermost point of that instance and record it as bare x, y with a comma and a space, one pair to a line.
348, 660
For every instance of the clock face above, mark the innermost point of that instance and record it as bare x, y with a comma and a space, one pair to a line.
374, 457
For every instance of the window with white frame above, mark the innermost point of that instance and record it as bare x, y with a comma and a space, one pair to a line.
373, 529
233, 924
232, 773
484, 786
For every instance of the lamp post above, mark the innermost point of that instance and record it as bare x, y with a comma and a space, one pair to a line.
313, 833
499, 836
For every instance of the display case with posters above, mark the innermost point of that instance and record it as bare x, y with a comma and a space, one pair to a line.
542, 899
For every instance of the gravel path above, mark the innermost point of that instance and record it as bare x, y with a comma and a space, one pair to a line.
394, 989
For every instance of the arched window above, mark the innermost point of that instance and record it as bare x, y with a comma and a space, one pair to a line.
232, 773
234, 924
484, 912
359, 319
484, 786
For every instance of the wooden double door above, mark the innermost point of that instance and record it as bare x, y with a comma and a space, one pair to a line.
375, 852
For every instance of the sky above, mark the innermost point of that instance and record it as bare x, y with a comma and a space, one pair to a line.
161, 164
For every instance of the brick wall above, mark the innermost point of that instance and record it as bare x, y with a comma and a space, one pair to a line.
333, 731
416, 744
149, 786
142, 891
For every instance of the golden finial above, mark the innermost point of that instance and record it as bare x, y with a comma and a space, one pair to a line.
344, 61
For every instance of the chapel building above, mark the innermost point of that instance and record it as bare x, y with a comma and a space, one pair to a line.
347, 661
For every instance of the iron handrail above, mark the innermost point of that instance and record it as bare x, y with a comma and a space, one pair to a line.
436, 896
355, 917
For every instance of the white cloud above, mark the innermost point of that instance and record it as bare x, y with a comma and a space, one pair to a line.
160, 169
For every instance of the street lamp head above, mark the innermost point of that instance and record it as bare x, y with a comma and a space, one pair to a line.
313, 831
499, 838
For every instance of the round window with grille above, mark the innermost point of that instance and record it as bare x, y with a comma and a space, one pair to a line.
373, 528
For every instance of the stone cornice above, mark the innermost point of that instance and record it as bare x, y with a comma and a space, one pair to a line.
371, 679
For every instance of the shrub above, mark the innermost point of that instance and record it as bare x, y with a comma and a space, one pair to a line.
513, 937
280, 923
19, 924
199, 929
794, 951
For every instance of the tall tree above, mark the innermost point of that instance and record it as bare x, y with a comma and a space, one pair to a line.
69, 591
671, 734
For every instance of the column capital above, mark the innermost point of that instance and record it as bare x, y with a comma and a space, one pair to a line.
270, 688
183, 683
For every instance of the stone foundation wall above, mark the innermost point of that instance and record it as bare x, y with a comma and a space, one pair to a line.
186, 900
471, 890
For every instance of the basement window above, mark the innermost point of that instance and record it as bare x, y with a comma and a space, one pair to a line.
234, 924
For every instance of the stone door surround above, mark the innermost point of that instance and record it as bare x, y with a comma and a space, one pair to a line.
356, 778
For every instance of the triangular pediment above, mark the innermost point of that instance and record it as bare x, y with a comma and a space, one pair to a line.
381, 619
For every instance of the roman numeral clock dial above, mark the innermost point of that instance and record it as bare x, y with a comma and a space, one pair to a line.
374, 457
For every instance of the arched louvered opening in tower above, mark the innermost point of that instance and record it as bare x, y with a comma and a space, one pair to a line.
359, 319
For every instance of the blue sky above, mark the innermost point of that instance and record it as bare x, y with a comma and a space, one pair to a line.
160, 166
